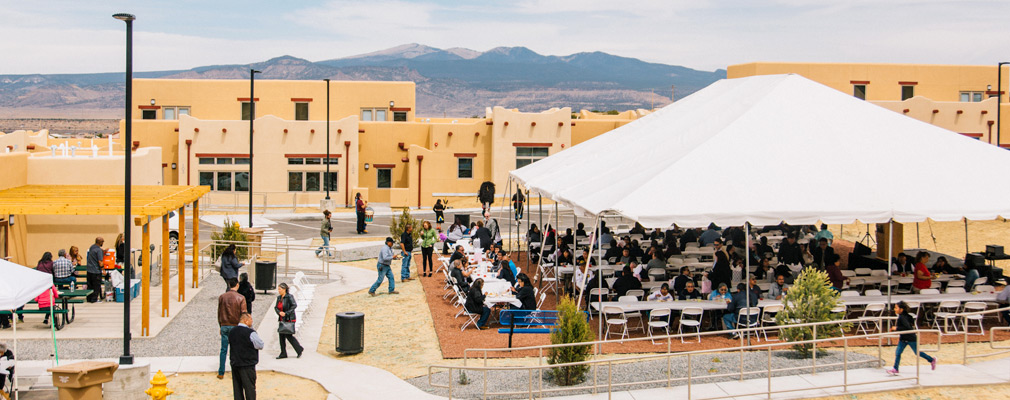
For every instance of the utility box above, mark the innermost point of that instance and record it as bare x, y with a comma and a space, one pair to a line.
350, 332
266, 275
83, 380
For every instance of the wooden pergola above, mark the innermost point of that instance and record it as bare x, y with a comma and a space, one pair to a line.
147, 202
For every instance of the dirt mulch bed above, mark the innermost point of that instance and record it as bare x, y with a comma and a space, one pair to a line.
453, 341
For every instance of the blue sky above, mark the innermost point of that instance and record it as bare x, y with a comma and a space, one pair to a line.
81, 36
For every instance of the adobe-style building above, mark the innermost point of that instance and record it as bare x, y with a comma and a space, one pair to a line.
377, 146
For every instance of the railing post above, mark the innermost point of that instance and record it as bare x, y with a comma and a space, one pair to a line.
610, 380
741, 355
688, 376
531, 383
450, 383
845, 365
814, 368
769, 372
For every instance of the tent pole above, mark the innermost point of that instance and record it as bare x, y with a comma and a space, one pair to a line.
599, 280
557, 246
890, 256
966, 250
917, 245
52, 324
746, 270
17, 356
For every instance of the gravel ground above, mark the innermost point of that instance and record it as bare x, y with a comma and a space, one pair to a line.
712, 364
194, 332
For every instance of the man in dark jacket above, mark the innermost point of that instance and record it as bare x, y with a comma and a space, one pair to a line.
230, 307
740, 302
245, 354
626, 282
95, 255
822, 252
484, 236
789, 251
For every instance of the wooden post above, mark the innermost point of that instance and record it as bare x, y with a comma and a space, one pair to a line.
196, 244
180, 253
164, 266
145, 279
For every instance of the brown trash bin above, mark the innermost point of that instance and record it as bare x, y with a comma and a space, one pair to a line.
82, 380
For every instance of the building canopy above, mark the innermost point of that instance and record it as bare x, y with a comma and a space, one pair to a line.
775, 148
150, 200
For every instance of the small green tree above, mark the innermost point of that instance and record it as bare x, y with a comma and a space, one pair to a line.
572, 327
810, 299
399, 225
232, 232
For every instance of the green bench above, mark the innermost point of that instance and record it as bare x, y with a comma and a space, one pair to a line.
58, 312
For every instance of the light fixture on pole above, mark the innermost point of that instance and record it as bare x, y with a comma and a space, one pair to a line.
127, 358
327, 180
252, 118
999, 97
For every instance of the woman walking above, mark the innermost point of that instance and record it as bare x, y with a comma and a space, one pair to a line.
246, 290
285, 309
229, 265
906, 323
428, 238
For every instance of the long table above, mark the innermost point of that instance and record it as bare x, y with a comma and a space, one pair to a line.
706, 305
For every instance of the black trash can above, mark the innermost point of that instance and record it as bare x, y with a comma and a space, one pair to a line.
266, 275
350, 332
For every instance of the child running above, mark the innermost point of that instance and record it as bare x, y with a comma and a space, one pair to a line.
906, 323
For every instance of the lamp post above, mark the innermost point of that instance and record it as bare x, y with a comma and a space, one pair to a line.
127, 358
999, 96
327, 180
252, 118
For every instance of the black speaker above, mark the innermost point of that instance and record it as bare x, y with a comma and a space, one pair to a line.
974, 260
862, 250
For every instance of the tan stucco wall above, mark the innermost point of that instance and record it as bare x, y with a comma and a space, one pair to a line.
20, 141
973, 119
54, 232
552, 127
15, 173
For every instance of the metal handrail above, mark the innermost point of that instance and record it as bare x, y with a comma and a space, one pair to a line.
992, 334
690, 355
277, 247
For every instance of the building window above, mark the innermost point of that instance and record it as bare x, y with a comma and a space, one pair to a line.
399, 116
859, 91
971, 97
313, 161
528, 155
241, 181
331, 183
384, 178
149, 114
242, 160
246, 111
333, 161
207, 179
296, 161
301, 111
174, 112
464, 168
224, 161
309, 181
206, 160
223, 181
373, 114
907, 92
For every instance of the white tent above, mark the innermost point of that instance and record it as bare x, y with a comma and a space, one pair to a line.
767, 149
20, 285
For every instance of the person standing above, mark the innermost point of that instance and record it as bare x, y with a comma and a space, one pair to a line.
95, 254
406, 247
245, 354
324, 232
906, 323
428, 239
230, 307
386, 257
229, 265
517, 203
120, 250
359, 211
8, 375
285, 309
492, 225
246, 290
439, 210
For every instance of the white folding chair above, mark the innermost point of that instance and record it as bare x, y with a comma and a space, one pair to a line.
749, 318
872, 310
878, 272
958, 290
615, 318
638, 293
934, 285
690, 317
873, 292
848, 273
985, 288
863, 271
974, 306
945, 312
598, 292
850, 293
540, 303
632, 314
929, 291
857, 284
656, 321
955, 283
768, 318
843, 312
913, 310
904, 285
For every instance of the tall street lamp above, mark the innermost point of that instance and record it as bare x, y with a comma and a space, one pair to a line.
127, 358
328, 183
999, 97
252, 118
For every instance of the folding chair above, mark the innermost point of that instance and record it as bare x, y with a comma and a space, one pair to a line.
863, 271
638, 293
958, 290
615, 318
656, 321
768, 318
632, 314
873, 292
687, 318
904, 285
944, 312
749, 318
872, 310
849, 293
974, 306
471, 320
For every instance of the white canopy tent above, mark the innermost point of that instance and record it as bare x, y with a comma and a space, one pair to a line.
775, 148
20, 285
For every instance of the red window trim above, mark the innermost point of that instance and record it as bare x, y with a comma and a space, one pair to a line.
974, 135
149, 107
860, 82
532, 144
246, 99
465, 155
221, 155
992, 92
312, 155
384, 166
301, 99
907, 83
399, 109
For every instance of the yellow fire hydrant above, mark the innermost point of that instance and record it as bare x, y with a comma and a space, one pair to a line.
159, 387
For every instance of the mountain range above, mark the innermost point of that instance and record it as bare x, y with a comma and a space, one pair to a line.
454, 82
